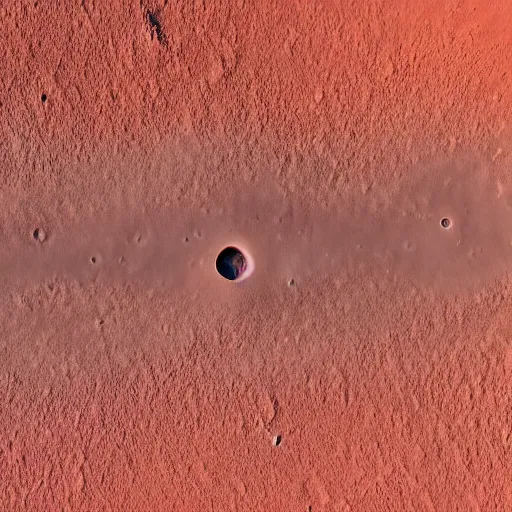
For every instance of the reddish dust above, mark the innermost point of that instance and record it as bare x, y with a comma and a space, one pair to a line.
364, 364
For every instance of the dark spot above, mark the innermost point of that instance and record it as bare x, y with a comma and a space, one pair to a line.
36, 234
310, 508
277, 440
155, 27
185, 239
231, 263
43, 98
93, 260
101, 322
446, 223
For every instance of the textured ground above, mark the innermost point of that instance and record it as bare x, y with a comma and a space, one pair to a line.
328, 140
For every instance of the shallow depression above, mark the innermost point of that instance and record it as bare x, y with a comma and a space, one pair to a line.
444, 227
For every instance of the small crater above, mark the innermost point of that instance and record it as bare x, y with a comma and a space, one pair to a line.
277, 440
93, 260
39, 235
185, 240
291, 282
44, 98
446, 223
122, 260
231, 264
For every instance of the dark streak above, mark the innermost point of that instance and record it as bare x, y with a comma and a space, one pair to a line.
155, 26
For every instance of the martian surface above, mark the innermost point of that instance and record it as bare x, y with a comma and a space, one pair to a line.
255, 256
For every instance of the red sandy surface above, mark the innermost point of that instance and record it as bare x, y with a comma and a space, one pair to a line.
326, 139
